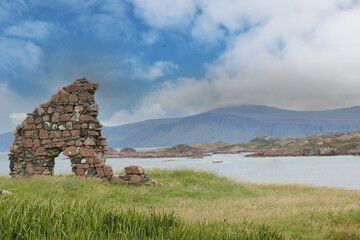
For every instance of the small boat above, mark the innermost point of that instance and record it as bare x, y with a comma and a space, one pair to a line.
216, 161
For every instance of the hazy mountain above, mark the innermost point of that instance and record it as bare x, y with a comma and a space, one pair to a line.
231, 124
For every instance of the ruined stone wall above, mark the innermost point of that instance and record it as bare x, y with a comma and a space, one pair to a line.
67, 123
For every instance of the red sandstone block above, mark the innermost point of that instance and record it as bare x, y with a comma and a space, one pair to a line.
96, 86
75, 132
79, 166
97, 160
55, 98
80, 171
88, 86
29, 134
84, 125
39, 126
28, 143
70, 143
55, 134
73, 87
100, 165
40, 151
87, 152
71, 151
31, 127
59, 108
86, 104
64, 98
73, 97
117, 179
134, 170
60, 144
100, 172
43, 134
64, 117
66, 134
90, 160
84, 95
77, 126
135, 179
89, 142
30, 169
86, 118
108, 170
78, 143
36, 143
30, 119
56, 117
69, 109
38, 120
103, 143
50, 110
100, 125
46, 141
93, 133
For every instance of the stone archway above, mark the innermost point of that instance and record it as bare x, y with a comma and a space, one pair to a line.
67, 123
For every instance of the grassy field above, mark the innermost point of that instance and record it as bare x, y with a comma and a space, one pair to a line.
192, 203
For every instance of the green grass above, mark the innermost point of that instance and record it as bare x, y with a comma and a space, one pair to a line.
29, 217
197, 205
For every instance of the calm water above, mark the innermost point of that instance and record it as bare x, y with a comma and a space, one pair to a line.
335, 171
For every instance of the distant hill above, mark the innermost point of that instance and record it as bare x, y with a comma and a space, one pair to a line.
234, 124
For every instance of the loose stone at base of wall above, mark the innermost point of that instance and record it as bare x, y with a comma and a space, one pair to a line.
134, 175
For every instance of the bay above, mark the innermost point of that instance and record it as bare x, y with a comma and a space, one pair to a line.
332, 171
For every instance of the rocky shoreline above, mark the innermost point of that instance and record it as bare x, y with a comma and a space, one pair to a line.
327, 144
180, 150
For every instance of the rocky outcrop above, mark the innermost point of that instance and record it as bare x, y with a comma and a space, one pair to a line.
67, 123
180, 150
262, 139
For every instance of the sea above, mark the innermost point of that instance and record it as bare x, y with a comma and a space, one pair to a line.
331, 171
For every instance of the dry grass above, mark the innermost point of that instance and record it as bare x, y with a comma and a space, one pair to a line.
297, 211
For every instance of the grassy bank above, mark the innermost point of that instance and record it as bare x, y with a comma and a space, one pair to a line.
195, 203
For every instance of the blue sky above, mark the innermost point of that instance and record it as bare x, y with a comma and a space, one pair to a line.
291, 54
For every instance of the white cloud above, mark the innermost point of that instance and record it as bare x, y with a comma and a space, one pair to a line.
17, 118
158, 69
140, 70
30, 29
150, 37
123, 116
12, 108
291, 54
24, 54
164, 13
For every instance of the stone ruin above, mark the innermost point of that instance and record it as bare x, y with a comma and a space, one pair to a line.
67, 123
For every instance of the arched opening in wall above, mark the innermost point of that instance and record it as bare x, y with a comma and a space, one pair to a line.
62, 165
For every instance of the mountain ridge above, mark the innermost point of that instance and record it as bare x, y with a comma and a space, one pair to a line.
233, 124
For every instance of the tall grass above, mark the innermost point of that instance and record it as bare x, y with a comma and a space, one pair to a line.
32, 217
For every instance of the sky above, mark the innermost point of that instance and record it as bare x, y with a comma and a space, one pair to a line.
171, 58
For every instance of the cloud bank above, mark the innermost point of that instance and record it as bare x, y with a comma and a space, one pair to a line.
292, 54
